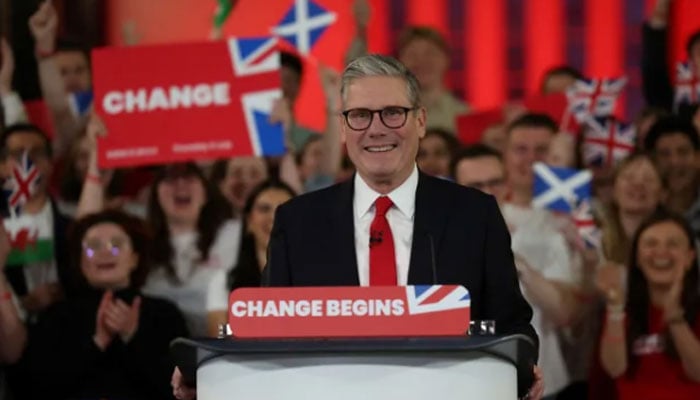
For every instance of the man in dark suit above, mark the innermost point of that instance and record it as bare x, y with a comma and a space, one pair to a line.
390, 224
442, 233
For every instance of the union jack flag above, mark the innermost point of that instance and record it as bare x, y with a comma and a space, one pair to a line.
431, 298
607, 141
22, 184
687, 84
303, 24
257, 59
594, 98
560, 189
585, 223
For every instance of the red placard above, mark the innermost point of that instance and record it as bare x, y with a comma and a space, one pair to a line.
190, 101
382, 311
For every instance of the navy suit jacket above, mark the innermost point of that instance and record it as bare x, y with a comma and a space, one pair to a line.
462, 229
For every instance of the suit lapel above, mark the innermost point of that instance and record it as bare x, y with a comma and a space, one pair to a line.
342, 226
428, 225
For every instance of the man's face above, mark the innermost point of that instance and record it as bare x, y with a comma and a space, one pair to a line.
291, 81
20, 142
484, 173
427, 61
74, 69
526, 146
382, 155
676, 157
434, 156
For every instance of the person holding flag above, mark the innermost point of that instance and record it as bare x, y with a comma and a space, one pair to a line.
38, 269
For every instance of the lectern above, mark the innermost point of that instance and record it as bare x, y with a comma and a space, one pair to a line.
445, 368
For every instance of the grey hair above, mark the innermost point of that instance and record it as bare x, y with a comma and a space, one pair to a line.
379, 65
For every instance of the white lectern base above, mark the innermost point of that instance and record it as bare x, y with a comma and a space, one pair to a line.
433, 376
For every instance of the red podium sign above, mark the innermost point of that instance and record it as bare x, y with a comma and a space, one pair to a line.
437, 310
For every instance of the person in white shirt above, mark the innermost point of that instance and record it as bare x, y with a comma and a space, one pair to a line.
542, 257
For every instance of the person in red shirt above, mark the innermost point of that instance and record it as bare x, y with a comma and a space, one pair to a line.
650, 343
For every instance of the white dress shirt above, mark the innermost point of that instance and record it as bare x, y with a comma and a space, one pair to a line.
400, 217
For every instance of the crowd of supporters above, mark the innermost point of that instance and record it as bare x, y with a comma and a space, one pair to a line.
139, 256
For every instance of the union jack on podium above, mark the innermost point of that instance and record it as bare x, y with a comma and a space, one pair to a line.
607, 141
687, 84
22, 183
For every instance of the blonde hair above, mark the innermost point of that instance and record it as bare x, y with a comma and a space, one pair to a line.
616, 244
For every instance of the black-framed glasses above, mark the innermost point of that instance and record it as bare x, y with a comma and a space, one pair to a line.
393, 117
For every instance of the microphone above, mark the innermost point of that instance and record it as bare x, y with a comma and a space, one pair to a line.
375, 238
433, 264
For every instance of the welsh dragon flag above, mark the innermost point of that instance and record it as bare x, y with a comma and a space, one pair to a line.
31, 239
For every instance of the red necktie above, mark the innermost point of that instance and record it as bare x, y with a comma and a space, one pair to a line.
382, 261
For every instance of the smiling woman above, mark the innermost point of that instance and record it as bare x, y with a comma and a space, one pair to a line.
195, 244
109, 340
650, 341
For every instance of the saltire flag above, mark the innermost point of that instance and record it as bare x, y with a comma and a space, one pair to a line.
320, 31
80, 103
22, 183
590, 98
589, 232
607, 141
687, 84
560, 189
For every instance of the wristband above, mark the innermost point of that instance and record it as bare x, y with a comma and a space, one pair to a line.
677, 318
41, 54
93, 178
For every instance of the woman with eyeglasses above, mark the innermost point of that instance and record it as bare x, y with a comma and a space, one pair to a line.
110, 340
195, 240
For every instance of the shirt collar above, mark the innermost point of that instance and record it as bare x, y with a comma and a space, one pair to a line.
403, 197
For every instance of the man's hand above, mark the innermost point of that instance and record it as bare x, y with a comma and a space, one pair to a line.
537, 390
659, 17
43, 25
180, 390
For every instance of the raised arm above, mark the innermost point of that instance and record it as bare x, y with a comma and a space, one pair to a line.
656, 79
92, 196
358, 46
12, 106
332, 147
43, 25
